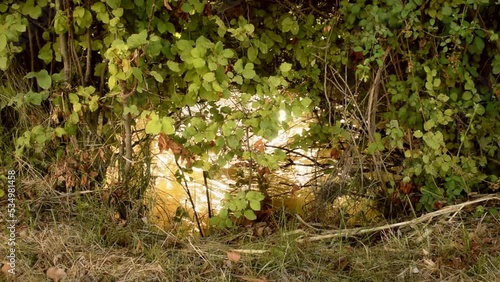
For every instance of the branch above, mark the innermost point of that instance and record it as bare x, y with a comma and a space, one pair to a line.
63, 43
426, 217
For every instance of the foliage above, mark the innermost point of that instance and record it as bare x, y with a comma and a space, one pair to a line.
391, 78
235, 206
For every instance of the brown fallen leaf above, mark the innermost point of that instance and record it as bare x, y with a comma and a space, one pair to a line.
8, 271
56, 274
233, 256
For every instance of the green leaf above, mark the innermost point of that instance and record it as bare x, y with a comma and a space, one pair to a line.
114, 4
184, 44
238, 79
287, 24
154, 126
274, 81
198, 63
428, 125
255, 205
167, 125
250, 215
285, 67
136, 40
479, 44
132, 109
306, 102
186, 8
227, 53
29, 8
157, 76
467, 95
43, 79
238, 66
252, 53
45, 52
60, 131
3, 63
249, 28
3, 41
248, 73
173, 66
446, 10
94, 103
209, 77
418, 134
297, 111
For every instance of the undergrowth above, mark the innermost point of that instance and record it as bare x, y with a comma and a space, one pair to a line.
90, 243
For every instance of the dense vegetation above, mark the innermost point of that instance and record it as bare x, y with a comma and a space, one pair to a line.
405, 88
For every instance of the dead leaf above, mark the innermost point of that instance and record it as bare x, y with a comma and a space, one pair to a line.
7, 270
162, 142
335, 154
233, 256
259, 146
56, 274
406, 188
207, 11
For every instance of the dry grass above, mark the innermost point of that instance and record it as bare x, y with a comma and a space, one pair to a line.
82, 238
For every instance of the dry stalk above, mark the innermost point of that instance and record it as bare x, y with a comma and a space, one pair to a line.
426, 217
